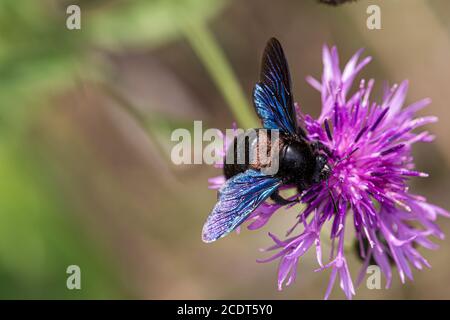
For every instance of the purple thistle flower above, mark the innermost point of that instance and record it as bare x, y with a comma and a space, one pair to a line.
371, 162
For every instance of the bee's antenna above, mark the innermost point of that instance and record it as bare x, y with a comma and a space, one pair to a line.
346, 157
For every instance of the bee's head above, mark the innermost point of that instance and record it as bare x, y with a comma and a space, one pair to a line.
323, 170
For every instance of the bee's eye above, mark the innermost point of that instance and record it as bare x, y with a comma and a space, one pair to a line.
321, 160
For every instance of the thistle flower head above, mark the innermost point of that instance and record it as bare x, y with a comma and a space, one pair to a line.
370, 155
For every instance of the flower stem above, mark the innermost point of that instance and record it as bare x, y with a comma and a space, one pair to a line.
212, 57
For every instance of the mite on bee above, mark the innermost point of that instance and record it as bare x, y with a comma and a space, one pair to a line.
299, 161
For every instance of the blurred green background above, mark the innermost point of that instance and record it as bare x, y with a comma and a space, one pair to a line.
85, 123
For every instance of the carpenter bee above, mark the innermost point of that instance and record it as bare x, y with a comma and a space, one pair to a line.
301, 162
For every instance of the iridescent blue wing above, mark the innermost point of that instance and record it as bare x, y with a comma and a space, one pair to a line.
272, 95
238, 197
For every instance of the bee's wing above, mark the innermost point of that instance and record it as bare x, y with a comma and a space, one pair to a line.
238, 197
272, 95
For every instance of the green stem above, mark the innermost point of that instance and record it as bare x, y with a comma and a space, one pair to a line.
208, 51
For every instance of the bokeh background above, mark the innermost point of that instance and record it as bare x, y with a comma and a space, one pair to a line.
85, 123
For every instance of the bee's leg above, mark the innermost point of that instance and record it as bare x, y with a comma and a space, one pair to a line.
302, 133
280, 200
319, 146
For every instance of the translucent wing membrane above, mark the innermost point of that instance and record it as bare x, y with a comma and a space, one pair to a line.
238, 197
272, 95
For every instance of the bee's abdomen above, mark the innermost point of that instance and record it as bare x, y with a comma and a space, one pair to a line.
232, 166
247, 152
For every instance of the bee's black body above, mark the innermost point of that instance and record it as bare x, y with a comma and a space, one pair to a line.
300, 162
